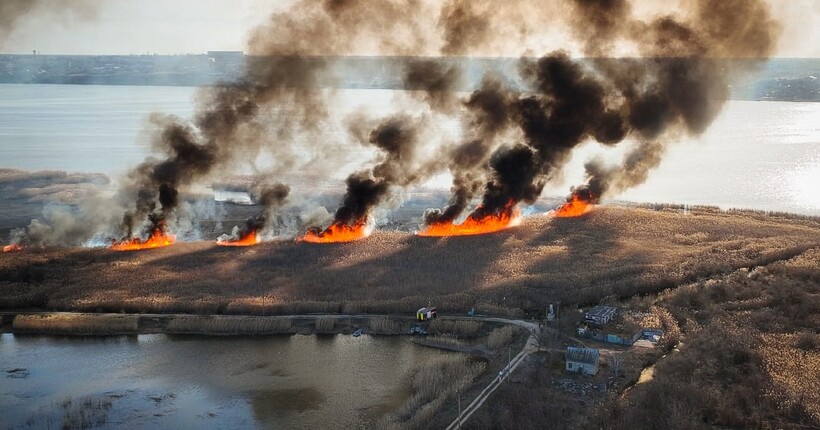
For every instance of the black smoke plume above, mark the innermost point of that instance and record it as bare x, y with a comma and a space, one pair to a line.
678, 87
434, 81
488, 111
396, 138
228, 128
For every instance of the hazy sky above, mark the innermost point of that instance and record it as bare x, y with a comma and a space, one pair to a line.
196, 26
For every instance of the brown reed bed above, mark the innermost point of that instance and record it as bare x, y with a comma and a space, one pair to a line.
230, 325
76, 324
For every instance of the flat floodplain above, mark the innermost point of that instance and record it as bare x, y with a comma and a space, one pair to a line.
610, 251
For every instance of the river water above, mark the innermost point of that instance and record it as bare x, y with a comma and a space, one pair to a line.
757, 155
162, 381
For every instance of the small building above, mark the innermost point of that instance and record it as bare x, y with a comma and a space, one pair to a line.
600, 315
425, 314
582, 360
551, 312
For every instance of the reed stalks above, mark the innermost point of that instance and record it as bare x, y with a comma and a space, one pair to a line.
82, 324
224, 325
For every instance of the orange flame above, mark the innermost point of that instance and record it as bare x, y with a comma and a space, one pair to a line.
249, 239
157, 240
576, 206
337, 232
471, 226
12, 248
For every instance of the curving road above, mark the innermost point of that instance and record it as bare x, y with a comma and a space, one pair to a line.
530, 347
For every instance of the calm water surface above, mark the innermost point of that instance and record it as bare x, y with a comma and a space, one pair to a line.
759, 155
153, 381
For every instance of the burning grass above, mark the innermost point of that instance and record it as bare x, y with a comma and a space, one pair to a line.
249, 239
12, 248
338, 233
157, 239
574, 207
472, 226
610, 251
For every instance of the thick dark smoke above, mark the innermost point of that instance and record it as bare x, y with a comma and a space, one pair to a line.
514, 141
676, 86
284, 71
488, 110
228, 128
688, 81
397, 139
434, 82
679, 87
269, 194
464, 25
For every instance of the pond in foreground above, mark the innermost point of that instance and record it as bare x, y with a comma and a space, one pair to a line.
151, 381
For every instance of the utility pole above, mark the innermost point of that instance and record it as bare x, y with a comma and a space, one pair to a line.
459, 407
509, 358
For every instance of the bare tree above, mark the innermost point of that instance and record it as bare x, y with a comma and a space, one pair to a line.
615, 363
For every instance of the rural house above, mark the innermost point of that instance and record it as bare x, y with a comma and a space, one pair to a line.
582, 360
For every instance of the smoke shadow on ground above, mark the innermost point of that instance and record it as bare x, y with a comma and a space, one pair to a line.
385, 266
574, 260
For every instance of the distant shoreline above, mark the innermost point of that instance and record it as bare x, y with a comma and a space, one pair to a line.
787, 79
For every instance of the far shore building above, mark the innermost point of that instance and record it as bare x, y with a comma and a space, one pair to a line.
582, 360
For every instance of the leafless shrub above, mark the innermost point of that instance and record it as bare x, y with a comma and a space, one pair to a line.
502, 336
807, 341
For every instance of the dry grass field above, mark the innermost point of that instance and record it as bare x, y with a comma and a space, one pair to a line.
612, 251
747, 356
737, 293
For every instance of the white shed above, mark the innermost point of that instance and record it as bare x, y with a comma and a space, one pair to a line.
582, 360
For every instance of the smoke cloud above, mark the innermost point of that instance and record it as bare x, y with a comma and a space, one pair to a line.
678, 86
518, 132
13, 11
396, 137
